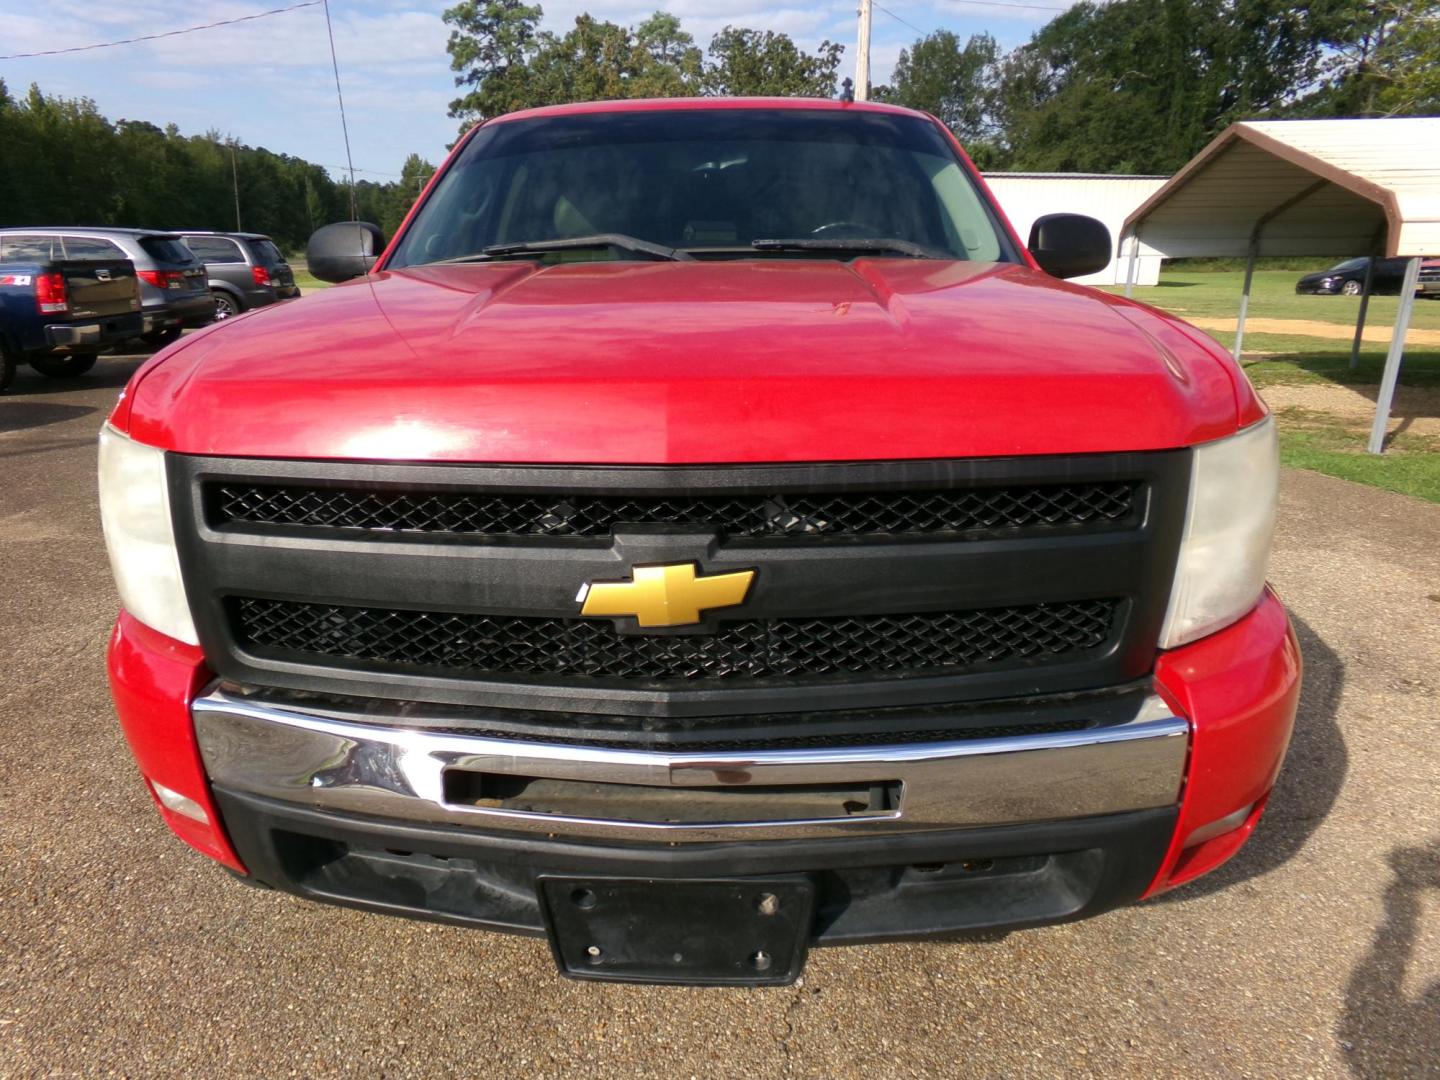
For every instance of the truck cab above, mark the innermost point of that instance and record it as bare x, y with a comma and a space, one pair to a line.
704, 532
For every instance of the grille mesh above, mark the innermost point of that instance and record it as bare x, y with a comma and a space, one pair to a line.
581, 515
743, 649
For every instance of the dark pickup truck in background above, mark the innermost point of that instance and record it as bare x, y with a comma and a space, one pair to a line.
58, 315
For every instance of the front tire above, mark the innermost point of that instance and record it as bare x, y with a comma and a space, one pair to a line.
1352, 288
158, 339
64, 367
226, 306
7, 368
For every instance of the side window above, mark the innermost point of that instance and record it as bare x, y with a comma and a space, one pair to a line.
25, 246
214, 249
90, 249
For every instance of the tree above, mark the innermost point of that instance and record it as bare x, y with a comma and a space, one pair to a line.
953, 82
489, 40
69, 165
595, 61
1381, 59
508, 63
511, 64
675, 62
761, 63
1412, 61
1141, 85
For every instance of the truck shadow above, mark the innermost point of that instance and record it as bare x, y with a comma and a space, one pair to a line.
1309, 783
1384, 1031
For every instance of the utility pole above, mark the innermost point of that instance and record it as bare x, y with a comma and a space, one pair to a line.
862, 55
235, 180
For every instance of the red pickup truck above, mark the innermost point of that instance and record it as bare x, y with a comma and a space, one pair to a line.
703, 532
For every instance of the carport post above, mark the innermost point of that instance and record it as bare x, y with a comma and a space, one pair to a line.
1364, 306
1245, 292
1260, 223
1394, 356
1134, 262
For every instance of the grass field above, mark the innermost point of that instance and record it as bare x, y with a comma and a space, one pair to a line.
1324, 408
1194, 294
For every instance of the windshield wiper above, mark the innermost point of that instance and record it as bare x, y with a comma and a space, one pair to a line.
858, 244
579, 243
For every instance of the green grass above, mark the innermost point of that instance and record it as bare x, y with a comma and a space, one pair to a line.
1299, 264
1193, 294
304, 280
1302, 367
1319, 442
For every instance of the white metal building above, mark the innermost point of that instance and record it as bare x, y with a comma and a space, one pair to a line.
1026, 196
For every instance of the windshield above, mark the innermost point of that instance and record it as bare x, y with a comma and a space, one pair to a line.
709, 183
1348, 264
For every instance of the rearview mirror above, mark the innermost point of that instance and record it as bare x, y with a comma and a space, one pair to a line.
344, 250
1070, 245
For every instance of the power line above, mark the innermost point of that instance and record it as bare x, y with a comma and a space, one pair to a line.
978, 3
1001, 3
898, 19
368, 172
344, 127
166, 34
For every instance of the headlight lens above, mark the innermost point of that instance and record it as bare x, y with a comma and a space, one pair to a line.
135, 510
1234, 485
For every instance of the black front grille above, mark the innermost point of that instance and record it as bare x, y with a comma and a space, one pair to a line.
747, 649
578, 514
457, 584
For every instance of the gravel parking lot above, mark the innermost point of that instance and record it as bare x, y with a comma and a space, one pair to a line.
1316, 952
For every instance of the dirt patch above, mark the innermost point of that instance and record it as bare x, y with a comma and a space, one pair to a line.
1420, 405
1316, 328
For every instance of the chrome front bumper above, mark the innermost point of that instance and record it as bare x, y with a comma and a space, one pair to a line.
339, 764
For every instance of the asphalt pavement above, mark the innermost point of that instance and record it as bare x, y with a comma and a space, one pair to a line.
1315, 952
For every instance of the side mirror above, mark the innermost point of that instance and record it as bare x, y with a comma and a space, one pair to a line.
1070, 245
344, 250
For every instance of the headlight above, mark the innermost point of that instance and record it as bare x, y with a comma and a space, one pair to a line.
135, 510
1234, 484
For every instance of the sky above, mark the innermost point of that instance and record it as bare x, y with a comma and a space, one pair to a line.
268, 82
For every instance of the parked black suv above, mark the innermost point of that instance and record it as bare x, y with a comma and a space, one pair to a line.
246, 270
173, 293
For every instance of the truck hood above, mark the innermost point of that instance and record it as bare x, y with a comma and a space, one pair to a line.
701, 362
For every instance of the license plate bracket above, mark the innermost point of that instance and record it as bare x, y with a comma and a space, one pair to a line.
720, 931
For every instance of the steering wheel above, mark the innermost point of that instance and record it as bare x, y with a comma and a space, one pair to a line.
853, 230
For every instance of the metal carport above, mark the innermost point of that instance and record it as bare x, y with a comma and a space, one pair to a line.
1305, 187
